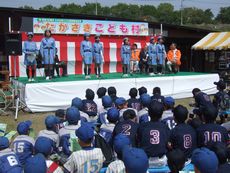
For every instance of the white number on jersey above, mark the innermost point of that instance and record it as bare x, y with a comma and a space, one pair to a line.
19, 147
12, 160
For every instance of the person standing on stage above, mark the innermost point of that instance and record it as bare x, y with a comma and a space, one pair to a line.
161, 55
125, 56
143, 64
30, 50
152, 60
98, 52
173, 57
87, 55
135, 58
47, 50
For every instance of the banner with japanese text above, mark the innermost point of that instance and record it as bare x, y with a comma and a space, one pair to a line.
102, 27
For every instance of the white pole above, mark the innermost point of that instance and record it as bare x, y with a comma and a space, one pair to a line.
181, 12
9, 20
161, 29
96, 7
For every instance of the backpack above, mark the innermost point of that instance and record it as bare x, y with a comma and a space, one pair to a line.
106, 149
224, 104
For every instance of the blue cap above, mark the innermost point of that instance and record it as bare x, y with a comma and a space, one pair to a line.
30, 33
72, 115
205, 160
86, 34
145, 99
35, 164
119, 142
43, 145
120, 101
86, 132
51, 121
169, 101
135, 160
113, 114
4, 142
23, 127
77, 102
107, 101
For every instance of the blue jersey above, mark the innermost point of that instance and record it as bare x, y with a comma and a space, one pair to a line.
9, 162
158, 97
98, 52
86, 50
23, 147
48, 50
106, 131
125, 54
160, 48
152, 51
223, 168
211, 132
134, 103
183, 137
128, 128
202, 100
30, 50
154, 137
89, 107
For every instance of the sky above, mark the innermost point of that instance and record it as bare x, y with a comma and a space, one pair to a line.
214, 5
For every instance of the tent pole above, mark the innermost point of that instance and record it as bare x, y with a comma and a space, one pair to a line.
191, 61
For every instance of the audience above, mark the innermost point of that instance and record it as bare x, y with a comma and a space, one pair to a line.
91, 135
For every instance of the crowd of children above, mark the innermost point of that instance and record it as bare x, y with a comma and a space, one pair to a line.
125, 136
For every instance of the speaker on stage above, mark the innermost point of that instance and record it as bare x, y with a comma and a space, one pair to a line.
13, 44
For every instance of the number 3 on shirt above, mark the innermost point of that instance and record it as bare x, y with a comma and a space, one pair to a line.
154, 137
91, 166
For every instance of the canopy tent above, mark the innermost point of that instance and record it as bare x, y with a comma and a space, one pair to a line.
214, 41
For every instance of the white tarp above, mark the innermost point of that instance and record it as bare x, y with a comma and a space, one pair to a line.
42, 97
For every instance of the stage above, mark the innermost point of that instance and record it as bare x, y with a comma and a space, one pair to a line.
43, 96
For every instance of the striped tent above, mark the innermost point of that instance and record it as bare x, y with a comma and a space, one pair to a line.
214, 41
69, 50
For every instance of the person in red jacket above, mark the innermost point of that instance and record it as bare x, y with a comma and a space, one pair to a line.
173, 57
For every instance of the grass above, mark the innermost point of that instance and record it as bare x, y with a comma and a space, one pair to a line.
39, 118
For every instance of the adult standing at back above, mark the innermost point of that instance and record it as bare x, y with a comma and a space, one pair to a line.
152, 60
161, 55
87, 55
98, 52
48, 52
125, 56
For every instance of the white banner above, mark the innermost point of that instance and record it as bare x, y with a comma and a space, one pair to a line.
102, 27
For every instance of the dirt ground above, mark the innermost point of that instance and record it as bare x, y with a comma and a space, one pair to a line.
39, 118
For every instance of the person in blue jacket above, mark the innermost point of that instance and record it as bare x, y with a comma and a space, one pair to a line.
98, 52
87, 55
152, 60
125, 56
30, 50
161, 55
48, 52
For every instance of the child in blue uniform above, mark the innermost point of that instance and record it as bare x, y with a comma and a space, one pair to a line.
23, 144
183, 136
9, 162
154, 136
161, 55
98, 52
30, 50
87, 54
47, 50
152, 60
125, 56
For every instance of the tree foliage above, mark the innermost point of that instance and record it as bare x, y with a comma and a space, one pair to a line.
164, 13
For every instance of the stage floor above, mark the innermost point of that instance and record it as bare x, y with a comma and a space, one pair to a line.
43, 96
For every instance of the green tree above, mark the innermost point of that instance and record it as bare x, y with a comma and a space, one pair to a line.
27, 7
224, 15
49, 8
90, 8
70, 8
165, 13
